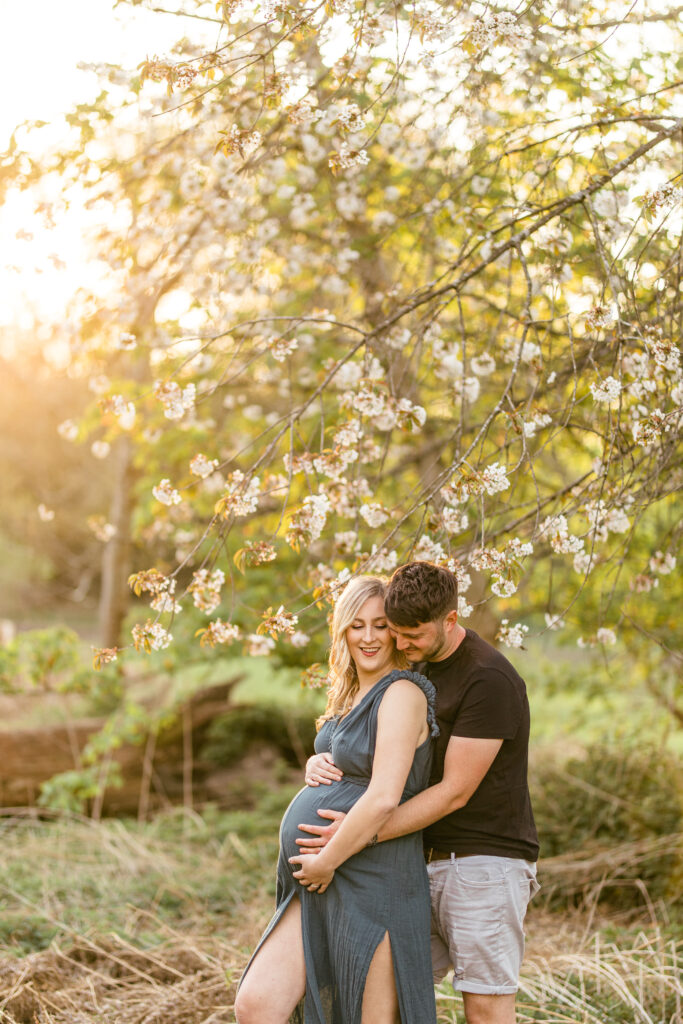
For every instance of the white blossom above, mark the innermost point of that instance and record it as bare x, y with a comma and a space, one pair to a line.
601, 316
348, 434
642, 584
485, 559
45, 514
99, 384
346, 542
648, 430
554, 622
617, 520
556, 530
280, 621
512, 635
463, 577
374, 514
529, 351
397, 338
467, 386
663, 198
309, 521
503, 587
125, 342
165, 601
428, 550
483, 365
518, 549
201, 466
583, 562
206, 589
335, 587
166, 493
100, 449
176, 400
605, 636
280, 348
665, 354
409, 415
607, 391
103, 530
219, 632
449, 365
537, 422
259, 646
494, 478
454, 520
241, 498
662, 563
151, 637
68, 430
124, 411
299, 639
348, 158
347, 376
381, 560
351, 118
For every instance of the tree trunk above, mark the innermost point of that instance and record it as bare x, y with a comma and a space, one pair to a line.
116, 560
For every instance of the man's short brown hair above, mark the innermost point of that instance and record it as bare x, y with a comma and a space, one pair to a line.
420, 592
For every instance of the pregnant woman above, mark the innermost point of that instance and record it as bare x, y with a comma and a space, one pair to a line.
349, 942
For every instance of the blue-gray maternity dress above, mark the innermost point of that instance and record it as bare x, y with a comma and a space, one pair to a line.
382, 889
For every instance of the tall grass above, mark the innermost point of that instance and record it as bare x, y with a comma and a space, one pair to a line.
124, 923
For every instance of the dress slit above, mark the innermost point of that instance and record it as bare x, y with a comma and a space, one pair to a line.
394, 969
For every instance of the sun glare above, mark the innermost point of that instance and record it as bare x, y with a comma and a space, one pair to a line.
41, 266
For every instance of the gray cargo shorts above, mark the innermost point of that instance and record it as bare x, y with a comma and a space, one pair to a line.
478, 908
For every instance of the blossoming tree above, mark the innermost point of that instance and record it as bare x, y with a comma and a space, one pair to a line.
430, 256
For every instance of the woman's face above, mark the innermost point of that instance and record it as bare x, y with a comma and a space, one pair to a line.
370, 643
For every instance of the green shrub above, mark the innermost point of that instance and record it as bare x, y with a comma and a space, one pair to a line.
289, 731
609, 798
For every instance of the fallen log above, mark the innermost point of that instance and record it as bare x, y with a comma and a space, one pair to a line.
159, 771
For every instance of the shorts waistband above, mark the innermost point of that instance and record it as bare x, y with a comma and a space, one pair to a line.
431, 854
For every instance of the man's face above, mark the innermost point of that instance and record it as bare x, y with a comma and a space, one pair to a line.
425, 642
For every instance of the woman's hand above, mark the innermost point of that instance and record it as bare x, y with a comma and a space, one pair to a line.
313, 872
321, 769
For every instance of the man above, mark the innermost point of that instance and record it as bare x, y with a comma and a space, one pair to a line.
479, 834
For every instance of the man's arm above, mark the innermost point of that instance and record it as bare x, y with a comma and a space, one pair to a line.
467, 762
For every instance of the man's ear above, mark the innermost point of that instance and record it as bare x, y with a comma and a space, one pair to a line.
450, 620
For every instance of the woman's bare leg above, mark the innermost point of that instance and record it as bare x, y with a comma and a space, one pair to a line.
380, 1002
276, 980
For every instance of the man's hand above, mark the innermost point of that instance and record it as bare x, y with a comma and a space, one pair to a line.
322, 833
312, 872
320, 768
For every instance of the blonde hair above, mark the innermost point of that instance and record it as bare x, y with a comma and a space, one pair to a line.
342, 677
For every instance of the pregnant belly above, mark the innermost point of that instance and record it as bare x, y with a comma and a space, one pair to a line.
340, 796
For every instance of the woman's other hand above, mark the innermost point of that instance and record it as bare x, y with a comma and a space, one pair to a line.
321, 769
313, 872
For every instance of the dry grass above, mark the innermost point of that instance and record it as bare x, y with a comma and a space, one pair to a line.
119, 923
180, 981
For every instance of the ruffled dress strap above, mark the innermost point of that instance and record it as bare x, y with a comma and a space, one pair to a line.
427, 688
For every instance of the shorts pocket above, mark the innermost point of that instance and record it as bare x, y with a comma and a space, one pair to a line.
480, 875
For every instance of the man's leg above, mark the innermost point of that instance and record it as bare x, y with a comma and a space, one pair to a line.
479, 912
480, 1009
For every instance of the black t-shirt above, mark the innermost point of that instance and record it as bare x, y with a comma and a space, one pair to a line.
480, 695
